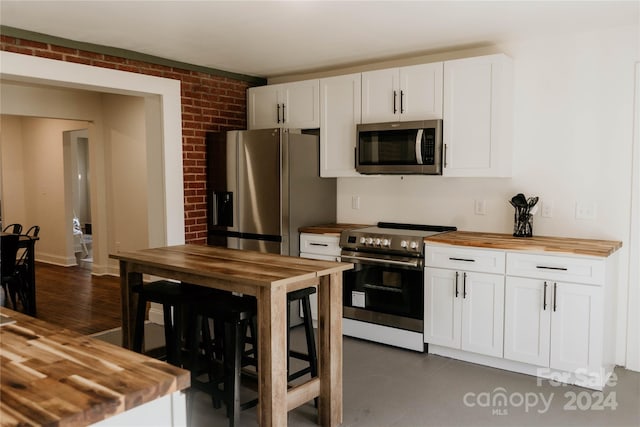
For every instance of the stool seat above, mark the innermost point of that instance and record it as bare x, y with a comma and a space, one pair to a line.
173, 296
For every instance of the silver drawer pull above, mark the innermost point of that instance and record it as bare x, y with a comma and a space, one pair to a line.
318, 244
462, 259
544, 267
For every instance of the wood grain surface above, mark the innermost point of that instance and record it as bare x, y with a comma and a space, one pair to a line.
560, 245
52, 376
249, 267
332, 229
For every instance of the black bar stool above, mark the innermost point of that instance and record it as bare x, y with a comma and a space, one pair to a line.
232, 315
172, 295
311, 356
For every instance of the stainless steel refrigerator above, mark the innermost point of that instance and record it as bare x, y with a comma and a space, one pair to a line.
263, 185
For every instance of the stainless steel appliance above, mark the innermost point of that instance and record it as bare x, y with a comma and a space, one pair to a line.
262, 185
413, 147
384, 293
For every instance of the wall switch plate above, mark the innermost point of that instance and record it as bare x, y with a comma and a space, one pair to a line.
547, 210
585, 210
480, 207
355, 202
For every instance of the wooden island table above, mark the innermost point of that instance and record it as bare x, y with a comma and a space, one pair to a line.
268, 277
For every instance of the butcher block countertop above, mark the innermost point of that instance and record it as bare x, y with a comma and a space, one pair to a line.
53, 376
331, 229
559, 245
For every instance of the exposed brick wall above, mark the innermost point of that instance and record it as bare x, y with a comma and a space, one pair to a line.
209, 103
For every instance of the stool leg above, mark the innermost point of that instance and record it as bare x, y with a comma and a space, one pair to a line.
138, 333
288, 335
311, 342
232, 362
177, 335
168, 332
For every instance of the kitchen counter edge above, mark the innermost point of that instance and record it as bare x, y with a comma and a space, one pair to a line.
558, 245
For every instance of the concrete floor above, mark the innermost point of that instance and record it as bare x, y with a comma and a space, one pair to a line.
386, 386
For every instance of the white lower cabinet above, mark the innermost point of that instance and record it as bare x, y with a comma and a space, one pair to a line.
554, 324
463, 310
322, 247
552, 316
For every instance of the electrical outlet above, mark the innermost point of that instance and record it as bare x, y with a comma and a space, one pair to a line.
547, 209
117, 247
480, 207
586, 210
355, 202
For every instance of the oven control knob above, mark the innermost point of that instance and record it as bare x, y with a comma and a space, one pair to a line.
363, 240
414, 245
378, 241
403, 244
369, 241
385, 242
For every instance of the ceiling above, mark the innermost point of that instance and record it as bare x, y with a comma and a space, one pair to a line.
269, 38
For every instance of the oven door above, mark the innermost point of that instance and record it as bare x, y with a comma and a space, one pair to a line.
385, 290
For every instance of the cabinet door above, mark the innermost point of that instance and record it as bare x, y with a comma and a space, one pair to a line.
442, 308
340, 103
482, 313
421, 92
301, 105
576, 324
380, 96
262, 107
477, 117
527, 320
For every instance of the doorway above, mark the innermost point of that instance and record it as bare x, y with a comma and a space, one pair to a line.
78, 174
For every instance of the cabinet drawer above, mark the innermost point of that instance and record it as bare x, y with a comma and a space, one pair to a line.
320, 244
560, 268
457, 258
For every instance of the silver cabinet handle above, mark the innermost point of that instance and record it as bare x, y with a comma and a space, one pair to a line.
464, 284
395, 97
445, 155
555, 296
457, 293
278, 105
283, 114
544, 267
544, 297
318, 244
401, 102
462, 259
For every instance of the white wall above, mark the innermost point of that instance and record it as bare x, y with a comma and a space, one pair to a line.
573, 132
33, 170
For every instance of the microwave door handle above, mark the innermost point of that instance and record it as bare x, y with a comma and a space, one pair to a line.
419, 146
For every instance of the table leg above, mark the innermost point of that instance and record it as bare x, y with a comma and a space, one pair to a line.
128, 303
272, 356
330, 349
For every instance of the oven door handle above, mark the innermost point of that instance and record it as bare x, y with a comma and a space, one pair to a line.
347, 258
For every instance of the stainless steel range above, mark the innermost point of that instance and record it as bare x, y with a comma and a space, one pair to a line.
384, 293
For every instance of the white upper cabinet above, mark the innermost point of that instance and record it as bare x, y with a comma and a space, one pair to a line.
339, 116
288, 105
477, 116
401, 94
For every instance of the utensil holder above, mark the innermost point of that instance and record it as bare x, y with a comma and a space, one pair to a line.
522, 223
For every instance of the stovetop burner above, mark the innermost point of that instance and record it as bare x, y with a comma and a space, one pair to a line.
391, 237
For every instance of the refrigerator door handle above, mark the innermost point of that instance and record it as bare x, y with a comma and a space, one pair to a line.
214, 208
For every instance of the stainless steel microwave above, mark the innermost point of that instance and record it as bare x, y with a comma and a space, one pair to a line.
401, 148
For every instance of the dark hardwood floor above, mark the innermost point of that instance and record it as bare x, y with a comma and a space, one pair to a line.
74, 299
